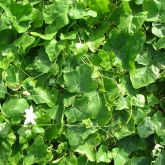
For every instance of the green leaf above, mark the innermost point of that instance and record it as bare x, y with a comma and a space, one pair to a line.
94, 105
146, 56
158, 30
39, 151
52, 49
97, 37
105, 113
157, 121
153, 8
123, 124
86, 82
15, 158
131, 23
161, 43
140, 113
139, 100
13, 77
140, 160
70, 159
83, 160
23, 42
145, 128
40, 95
57, 12
5, 151
53, 132
37, 130
152, 100
104, 5
77, 134
75, 114
88, 150
120, 156
50, 32
25, 133
160, 159
71, 81
125, 46
144, 76
102, 155
3, 91
80, 79
42, 62
19, 14
123, 103
14, 109
4, 129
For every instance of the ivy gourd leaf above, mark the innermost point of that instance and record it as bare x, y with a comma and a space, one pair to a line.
88, 150
102, 155
5, 151
13, 77
158, 120
138, 101
23, 42
70, 159
50, 32
105, 114
145, 57
104, 5
145, 128
160, 43
14, 109
78, 134
4, 129
19, 14
53, 49
153, 8
57, 12
144, 76
40, 151
124, 124
97, 37
158, 30
125, 46
123, 103
3, 91
160, 159
131, 23
86, 82
40, 95
140, 160
93, 105
80, 79
83, 160
140, 113
120, 156
42, 62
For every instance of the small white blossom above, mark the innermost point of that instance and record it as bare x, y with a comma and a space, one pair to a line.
30, 116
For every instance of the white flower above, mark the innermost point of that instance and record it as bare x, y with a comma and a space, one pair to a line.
30, 116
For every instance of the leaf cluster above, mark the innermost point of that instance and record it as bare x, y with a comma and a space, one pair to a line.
94, 72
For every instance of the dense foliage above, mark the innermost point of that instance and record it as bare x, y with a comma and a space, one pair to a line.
82, 82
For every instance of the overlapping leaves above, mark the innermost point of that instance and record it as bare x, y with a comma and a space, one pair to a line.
94, 73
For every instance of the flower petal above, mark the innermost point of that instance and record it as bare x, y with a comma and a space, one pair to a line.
27, 121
